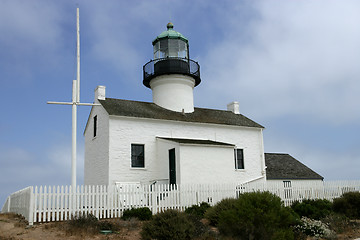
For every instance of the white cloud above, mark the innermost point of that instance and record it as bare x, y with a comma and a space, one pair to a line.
31, 34
52, 166
35, 22
117, 34
21, 168
300, 59
59, 157
15, 156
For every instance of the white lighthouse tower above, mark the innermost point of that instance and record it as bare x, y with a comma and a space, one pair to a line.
172, 75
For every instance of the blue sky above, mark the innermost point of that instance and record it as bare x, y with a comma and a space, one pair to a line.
294, 66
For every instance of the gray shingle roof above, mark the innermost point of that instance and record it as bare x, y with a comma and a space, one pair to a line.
284, 166
197, 141
138, 109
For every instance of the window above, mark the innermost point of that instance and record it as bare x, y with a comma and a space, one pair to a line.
95, 125
239, 158
137, 156
287, 184
287, 189
170, 48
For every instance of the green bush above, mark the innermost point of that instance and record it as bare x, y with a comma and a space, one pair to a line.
259, 215
198, 210
314, 209
172, 224
348, 204
142, 214
213, 214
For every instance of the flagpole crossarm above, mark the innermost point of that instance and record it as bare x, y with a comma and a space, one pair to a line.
74, 103
61, 103
88, 104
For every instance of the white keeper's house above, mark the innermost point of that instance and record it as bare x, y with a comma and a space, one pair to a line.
169, 140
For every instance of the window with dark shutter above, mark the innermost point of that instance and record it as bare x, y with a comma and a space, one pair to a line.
239, 158
95, 125
137, 156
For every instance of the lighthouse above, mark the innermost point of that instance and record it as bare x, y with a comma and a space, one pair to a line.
172, 75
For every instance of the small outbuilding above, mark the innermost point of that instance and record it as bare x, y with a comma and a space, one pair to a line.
283, 169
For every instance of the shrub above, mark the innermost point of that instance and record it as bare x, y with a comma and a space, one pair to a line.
87, 221
105, 225
142, 214
315, 228
198, 210
87, 224
213, 214
348, 204
171, 224
337, 222
259, 215
314, 209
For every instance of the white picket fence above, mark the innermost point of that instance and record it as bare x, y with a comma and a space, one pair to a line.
45, 204
21, 202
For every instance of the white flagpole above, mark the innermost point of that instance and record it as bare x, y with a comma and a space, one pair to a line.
74, 128
75, 101
78, 55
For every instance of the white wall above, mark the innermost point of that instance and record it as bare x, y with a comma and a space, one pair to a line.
96, 165
208, 164
174, 92
126, 130
308, 189
296, 183
161, 163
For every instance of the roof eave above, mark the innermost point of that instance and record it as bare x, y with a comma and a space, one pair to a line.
250, 123
292, 178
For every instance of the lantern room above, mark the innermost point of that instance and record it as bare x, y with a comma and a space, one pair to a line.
171, 56
170, 44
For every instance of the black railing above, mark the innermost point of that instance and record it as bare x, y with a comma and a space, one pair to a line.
171, 65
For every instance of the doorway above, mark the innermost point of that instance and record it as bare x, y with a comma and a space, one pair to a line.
172, 166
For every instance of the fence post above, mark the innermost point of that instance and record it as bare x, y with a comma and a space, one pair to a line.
9, 203
154, 200
31, 207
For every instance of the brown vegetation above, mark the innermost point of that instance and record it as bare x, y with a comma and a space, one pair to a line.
14, 227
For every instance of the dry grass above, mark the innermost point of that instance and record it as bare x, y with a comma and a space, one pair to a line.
14, 227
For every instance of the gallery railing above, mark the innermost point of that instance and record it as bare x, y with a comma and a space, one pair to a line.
171, 65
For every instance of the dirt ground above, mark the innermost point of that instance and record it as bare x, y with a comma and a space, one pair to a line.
14, 227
